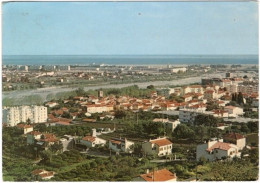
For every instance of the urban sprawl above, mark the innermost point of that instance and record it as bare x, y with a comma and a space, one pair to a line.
202, 131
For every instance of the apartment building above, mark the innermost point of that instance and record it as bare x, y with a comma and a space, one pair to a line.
14, 115
189, 115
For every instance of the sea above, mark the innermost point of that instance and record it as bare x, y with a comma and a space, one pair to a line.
127, 59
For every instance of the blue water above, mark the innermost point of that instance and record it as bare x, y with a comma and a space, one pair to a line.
128, 59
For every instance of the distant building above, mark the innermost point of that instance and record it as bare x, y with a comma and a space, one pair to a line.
24, 68
157, 175
173, 70
100, 93
189, 115
35, 67
49, 67
228, 75
63, 67
159, 146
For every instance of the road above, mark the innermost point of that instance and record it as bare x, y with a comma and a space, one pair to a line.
44, 92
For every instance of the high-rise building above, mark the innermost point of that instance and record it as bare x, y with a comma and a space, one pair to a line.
14, 115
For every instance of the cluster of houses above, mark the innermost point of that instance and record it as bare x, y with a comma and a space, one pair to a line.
195, 99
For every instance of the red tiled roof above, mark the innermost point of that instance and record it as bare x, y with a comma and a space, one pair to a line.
235, 136
161, 142
88, 120
37, 171
47, 174
115, 142
159, 175
219, 145
23, 126
230, 107
63, 123
89, 138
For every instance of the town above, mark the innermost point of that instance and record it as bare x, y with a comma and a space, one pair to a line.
158, 133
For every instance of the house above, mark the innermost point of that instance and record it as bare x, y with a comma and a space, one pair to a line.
234, 111
92, 140
157, 175
32, 136
236, 139
47, 139
210, 94
26, 128
159, 146
216, 150
43, 174
120, 145
220, 113
171, 125
187, 97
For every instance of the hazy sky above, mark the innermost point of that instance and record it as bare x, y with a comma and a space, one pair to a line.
125, 28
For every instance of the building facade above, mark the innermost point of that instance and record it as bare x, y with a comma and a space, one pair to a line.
14, 115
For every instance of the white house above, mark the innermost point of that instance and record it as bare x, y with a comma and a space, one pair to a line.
234, 111
171, 125
159, 146
120, 145
216, 149
92, 141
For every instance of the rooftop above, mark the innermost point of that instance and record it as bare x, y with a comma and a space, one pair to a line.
159, 175
161, 142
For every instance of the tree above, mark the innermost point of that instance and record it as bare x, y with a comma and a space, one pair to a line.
240, 99
56, 147
151, 87
182, 131
120, 114
46, 156
80, 92
244, 128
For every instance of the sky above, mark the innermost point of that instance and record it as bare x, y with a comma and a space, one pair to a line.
129, 28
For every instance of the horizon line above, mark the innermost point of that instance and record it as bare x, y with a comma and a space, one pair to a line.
133, 55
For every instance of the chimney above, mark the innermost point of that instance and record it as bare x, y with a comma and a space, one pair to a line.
147, 171
94, 132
